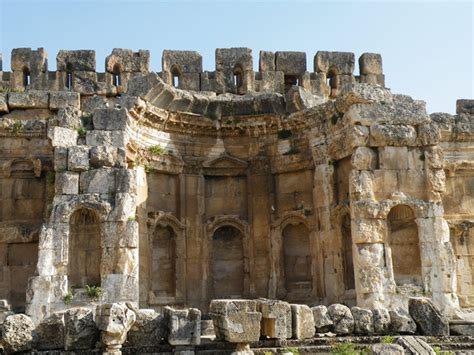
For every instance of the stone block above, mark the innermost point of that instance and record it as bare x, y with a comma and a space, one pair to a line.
50, 332
120, 234
17, 334
465, 106
110, 119
363, 321
107, 156
114, 320
266, 62
372, 79
276, 318
190, 81
149, 329
342, 318
427, 317
80, 332
67, 183
236, 321
322, 320
465, 328
290, 63
392, 135
370, 63
401, 322
62, 99
437, 180
335, 63
110, 138
28, 99
381, 320
297, 99
97, 181
429, 134
228, 58
36, 61
400, 110
183, 326
272, 81
62, 137
364, 158
128, 61
78, 158
60, 158
125, 206
69, 117
302, 321
387, 349
393, 158
85, 82
182, 61
3, 103
76, 60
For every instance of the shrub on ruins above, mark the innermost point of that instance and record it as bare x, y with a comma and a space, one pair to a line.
94, 292
157, 150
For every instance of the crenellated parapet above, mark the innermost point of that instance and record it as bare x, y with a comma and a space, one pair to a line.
333, 72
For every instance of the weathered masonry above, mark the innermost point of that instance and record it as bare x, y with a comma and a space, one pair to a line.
179, 187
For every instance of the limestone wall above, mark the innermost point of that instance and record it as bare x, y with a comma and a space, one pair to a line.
163, 195
234, 73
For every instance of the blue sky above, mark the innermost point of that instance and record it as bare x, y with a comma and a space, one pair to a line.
427, 47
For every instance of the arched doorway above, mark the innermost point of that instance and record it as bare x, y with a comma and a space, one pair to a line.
227, 263
296, 261
163, 263
404, 246
85, 252
348, 263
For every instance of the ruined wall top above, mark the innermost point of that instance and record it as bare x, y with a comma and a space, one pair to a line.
234, 72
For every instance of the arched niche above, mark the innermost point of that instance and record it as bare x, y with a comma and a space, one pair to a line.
166, 263
228, 252
163, 262
296, 257
85, 252
293, 259
227, 263
404, 245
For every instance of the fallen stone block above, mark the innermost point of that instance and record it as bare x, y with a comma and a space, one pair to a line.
303, 321
149, 329
401, 322
322, 320
17, 333
80, 329
363, 320
276, 318
236, 321
183, 326
342, 317
387, 349
428, 318
381, 320
50, 332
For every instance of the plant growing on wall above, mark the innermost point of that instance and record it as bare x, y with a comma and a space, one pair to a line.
157, 150
17, 127
68, 298
94, 292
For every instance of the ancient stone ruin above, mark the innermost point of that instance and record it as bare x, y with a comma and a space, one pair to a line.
143, 209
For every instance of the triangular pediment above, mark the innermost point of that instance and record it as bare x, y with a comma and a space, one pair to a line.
225, 165
225, 161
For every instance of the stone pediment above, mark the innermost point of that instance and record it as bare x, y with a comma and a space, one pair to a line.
169, 163
225, 165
